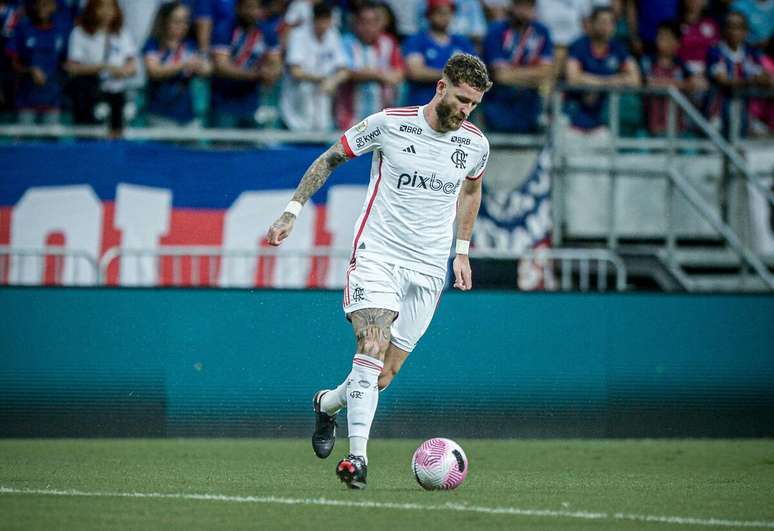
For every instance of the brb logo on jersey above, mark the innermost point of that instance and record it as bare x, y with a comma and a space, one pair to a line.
428, 183
413, 129
459, 158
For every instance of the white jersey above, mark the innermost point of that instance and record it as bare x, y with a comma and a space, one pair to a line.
416, 177
304, 105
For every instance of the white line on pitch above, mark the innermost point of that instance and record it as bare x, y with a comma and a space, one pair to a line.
585, 515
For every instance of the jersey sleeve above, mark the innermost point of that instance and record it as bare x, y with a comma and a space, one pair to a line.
15, 44
221, 38
151, 48
271, 38
493, 49
396, 58
295, 52
715, 64
128, 46
477, 171
203, 10
365, 136
411, 46
547, 53
576, 50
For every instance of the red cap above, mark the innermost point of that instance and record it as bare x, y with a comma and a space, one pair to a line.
432, 4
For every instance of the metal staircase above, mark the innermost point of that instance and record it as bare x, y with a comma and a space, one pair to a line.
726, 263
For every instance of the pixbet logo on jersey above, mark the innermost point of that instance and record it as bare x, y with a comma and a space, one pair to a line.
428, 183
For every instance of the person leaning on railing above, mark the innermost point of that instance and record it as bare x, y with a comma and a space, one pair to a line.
734, 66
101, 58
172, 61
37, 49
597, 60
665, 69
520, 55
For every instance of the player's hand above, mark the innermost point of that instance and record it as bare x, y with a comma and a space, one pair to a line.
463, 278
280, 229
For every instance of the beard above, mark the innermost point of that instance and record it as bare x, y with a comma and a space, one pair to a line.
447, 119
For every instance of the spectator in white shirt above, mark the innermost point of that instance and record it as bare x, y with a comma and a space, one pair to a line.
101, 58
316, 65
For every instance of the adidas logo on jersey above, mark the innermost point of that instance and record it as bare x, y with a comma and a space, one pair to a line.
410, 149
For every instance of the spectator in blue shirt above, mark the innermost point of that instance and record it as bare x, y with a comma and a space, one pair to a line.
597, 61
426, 53
38, 49
469, 20
734, 65
245, 54
520, 54
10, 14
171, 61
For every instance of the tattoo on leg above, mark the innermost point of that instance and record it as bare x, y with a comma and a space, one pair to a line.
372, 330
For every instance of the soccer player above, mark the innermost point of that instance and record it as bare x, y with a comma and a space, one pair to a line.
426, 170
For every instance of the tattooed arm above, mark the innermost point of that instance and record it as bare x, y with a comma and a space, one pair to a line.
313, 179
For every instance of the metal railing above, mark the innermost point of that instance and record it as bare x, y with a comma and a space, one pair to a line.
589, 264
201, 265
214, 266
674, 180
27, 266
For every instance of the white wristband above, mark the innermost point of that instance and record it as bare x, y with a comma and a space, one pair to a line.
294, 207
463, 246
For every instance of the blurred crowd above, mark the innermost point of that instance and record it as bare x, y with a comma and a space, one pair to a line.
317, 65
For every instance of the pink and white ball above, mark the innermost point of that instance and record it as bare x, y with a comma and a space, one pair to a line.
439, 464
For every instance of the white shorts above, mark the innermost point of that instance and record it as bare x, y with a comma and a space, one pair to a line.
413, 295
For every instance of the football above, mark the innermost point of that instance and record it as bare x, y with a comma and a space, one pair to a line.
439, 464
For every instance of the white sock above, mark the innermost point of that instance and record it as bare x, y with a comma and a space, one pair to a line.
335, 399
357, 446
362, 398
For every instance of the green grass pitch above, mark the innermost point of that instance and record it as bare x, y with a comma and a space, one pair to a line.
279, 484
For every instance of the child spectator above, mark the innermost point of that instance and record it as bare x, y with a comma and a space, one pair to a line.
375, 69
734, 65
246, 54
597, 60
37, 50
10, 14
520, 54
102, 57
171, 62
315, 67
664, 69
644, 18
426, 53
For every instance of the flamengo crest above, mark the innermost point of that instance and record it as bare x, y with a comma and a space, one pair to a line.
458, 158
